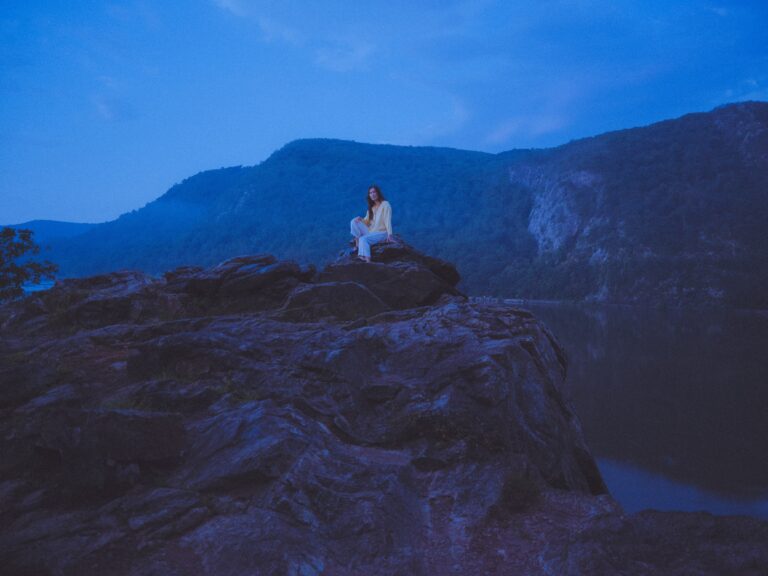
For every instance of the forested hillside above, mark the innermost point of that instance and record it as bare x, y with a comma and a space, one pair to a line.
672, 212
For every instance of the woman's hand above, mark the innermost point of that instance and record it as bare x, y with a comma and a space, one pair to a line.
389, 238
358, 219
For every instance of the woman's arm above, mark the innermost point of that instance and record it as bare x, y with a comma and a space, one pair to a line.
386, 216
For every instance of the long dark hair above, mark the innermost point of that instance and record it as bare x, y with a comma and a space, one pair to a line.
371, 203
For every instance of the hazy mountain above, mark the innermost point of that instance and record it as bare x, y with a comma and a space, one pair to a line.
47, 230
670, 212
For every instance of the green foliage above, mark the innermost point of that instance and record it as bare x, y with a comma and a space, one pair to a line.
14, 246
675, 211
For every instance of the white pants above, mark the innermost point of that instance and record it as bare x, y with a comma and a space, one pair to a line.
365, 237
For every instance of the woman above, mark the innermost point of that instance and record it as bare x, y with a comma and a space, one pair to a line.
375, 226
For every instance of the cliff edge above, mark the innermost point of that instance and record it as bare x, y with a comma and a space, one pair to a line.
259, 417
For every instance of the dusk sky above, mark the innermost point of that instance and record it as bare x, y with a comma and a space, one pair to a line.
105, 105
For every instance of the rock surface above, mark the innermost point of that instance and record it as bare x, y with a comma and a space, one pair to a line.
261, 418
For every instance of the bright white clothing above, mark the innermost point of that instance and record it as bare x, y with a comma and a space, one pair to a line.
364, 237
382, 218
365, 241
358, 228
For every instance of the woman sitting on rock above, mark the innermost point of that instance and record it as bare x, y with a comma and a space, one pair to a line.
375, 226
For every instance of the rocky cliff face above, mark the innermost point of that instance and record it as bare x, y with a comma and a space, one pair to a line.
259, 417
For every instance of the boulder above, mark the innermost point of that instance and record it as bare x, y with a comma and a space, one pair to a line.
398, 275
338, 300
399, 251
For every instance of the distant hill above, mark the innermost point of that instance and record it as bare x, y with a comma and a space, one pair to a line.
672, 212
47, 230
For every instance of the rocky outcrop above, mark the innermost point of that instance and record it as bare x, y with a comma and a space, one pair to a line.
257, 417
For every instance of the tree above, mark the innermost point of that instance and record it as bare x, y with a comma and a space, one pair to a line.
13, 274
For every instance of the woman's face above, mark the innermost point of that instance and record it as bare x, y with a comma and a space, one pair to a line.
373, 195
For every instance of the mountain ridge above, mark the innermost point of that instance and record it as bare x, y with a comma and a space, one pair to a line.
311, 140
668, 212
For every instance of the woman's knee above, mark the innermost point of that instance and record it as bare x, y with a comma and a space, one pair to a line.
354, 229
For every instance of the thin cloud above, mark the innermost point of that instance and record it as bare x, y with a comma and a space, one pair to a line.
345, 57
112, 109
140, 12
457, 118
103, 108
748, 89
526, 126
530, 125
718, 10
108, 101
321, 42
232, 6
275, 31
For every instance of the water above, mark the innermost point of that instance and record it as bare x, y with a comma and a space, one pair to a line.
31, 287
673, 403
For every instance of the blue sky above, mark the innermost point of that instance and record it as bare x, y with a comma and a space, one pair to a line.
105, 105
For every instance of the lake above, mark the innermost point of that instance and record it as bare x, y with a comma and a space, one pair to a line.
673, 402
32, 287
